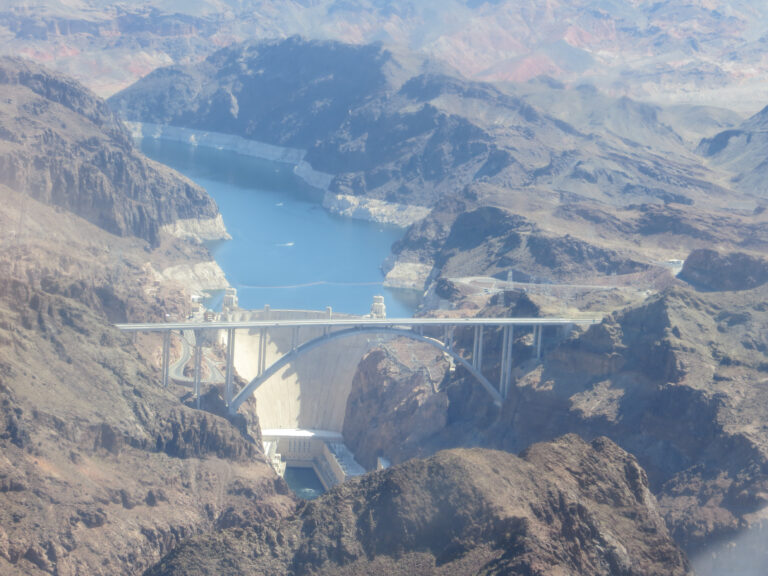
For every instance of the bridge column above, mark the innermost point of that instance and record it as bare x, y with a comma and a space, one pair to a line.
480, 349
166, 356
262, 351
505, 377
477, 349
230, 374
294, 338
198, 364
539, 328
503, 360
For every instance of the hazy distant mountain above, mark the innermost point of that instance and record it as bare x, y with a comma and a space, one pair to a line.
665, 51
743, 151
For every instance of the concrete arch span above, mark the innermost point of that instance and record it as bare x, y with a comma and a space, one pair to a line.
286, 359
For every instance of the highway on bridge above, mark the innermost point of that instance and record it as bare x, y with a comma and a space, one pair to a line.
355, 322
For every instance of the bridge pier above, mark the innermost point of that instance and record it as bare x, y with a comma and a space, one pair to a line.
477, 349
166, 357
198, 364
262, 360
505, 376
448, 337
230, 373
537, 336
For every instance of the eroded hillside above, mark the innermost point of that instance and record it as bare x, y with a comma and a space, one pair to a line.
101, 471
566, 506
677, 380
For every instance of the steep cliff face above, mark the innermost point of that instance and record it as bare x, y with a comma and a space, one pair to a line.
566, 506
63, 146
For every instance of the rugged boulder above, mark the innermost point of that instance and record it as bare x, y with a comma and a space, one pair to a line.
395, 403
708, 270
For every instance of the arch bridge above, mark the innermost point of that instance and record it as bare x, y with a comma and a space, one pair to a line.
437, 332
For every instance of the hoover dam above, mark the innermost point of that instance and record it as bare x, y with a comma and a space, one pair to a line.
299, 366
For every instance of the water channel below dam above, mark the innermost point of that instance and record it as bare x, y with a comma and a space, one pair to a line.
286, 250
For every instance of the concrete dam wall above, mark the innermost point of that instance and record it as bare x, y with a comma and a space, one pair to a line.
310, 392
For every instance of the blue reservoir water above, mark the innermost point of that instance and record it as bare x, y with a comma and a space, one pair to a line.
286, 250
304, 482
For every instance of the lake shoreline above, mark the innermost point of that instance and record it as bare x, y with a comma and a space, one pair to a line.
287, 251
347, 205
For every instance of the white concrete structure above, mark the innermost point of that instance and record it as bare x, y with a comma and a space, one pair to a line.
378, 308
322, 450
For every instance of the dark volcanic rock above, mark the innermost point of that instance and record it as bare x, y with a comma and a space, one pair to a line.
63, 146
492, 241
402, 130
565, 506
255, 90
710, 271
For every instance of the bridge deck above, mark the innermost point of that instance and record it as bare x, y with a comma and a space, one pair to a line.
353, 322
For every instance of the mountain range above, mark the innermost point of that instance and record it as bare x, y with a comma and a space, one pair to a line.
403, 131
573, 152
688, 52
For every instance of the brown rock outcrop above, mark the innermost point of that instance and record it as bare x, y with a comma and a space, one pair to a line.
63, 146
710, 271
101, 470
395, 403
563, 507
677, 380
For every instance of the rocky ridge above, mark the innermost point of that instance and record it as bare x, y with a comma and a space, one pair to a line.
676, 380
65, 147
606, 196
101, 470
566, 506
